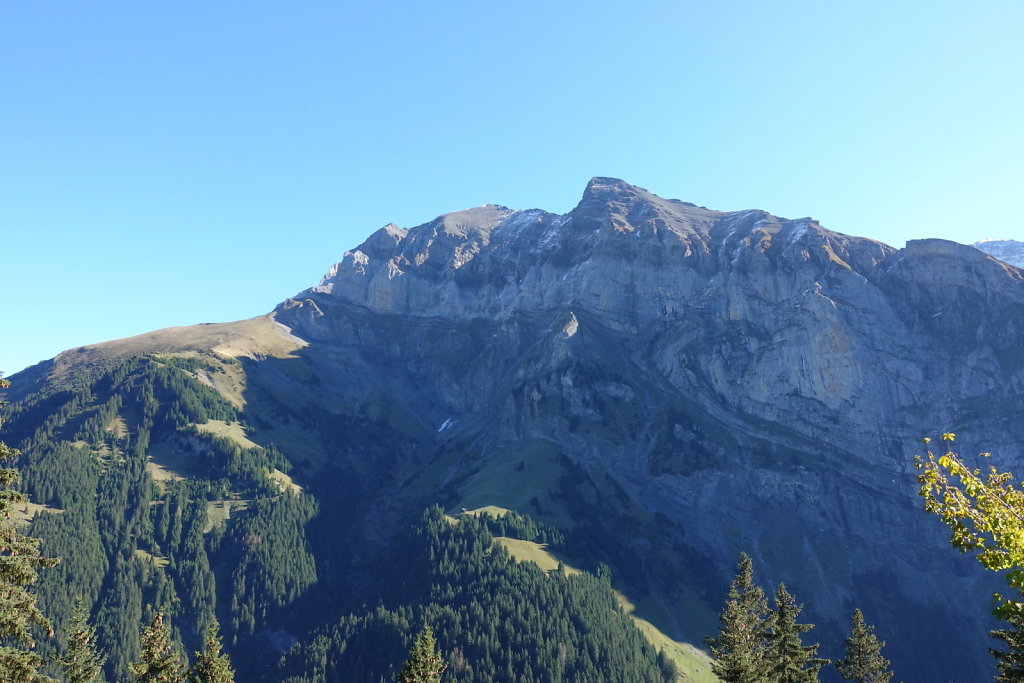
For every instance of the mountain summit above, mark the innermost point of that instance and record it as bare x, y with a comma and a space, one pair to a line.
665, 384
495, 261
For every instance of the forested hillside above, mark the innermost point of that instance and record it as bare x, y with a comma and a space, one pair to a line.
131, 535
149, 510
498, 618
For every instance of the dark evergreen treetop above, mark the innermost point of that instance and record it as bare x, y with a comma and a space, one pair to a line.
212, 665
425, 664
82, 661
159, 662
863, 661
1009, 662
740, 648
790, 661
20, 559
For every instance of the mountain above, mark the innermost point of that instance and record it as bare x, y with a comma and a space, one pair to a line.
662, 384
1009, 251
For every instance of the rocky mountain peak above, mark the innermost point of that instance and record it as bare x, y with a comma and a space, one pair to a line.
617, 246
383, 241
602, 193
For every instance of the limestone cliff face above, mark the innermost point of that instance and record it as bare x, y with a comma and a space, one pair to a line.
779, 320
759, 381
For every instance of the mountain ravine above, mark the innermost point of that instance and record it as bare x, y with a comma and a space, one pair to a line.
666, 384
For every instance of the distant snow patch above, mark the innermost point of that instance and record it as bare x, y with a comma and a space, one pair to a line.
570, 327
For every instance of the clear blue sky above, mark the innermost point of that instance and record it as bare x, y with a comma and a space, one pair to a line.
174, 163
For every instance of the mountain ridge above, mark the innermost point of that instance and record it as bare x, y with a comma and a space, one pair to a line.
675, 383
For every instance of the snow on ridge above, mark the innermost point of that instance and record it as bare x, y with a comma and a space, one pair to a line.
550, 235
510, 228
801, 226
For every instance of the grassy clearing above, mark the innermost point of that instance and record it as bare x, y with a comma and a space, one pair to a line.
516, 477
228, 430
218, 512
491, 510
118, 428
302, 445
161, 473
528, 551
23, 513
692, 663
157, 560
167, 464
284, 482
230, 383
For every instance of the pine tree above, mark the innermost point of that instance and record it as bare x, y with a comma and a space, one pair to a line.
212, 665
159, 663
20, 559
424, 664
739, 648
790, 661
1010, 664
82, 661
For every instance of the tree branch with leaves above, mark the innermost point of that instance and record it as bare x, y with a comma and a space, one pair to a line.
984, 510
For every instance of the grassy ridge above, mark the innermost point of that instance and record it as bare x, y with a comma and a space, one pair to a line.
692, 663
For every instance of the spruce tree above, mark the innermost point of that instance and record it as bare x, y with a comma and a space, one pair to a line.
790, 661
158, 663
1010, 663
20, 559
424, 664
863, 662
739, 648
81, 662
212, 665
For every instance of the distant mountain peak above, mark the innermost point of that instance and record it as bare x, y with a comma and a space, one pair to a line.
601, 185
1007, 251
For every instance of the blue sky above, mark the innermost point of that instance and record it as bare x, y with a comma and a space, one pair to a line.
176, 163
